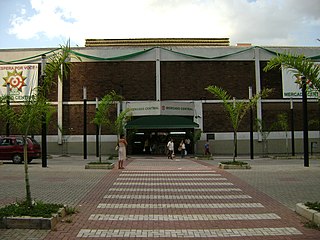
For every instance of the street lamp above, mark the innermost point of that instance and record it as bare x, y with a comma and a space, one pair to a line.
84, 123
234, 133
292, 127
251, 123
305, 122
97, 130
8, 103
44, 117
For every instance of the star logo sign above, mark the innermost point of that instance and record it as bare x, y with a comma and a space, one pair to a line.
15, 79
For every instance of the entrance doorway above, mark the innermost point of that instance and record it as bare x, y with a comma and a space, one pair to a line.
150, 134
154, 141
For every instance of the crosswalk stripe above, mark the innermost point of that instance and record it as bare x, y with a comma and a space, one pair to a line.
181, 205
167, 171
169, 175
175, 184
174, 190
185, 233
185, 217
178, 197
170, 179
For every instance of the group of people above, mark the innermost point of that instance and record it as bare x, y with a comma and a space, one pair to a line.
183, 148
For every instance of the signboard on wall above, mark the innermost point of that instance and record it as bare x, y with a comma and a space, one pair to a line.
144, 108
161, 108
177, 108
291, 89
21, 78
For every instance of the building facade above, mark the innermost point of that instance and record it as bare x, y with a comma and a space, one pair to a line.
164, 82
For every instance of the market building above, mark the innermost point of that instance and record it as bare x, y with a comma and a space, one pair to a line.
163, 81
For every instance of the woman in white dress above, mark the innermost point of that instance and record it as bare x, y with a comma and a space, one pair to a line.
122, 153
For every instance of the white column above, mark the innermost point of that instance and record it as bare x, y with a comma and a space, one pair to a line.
198, 114
158, 82
258, 85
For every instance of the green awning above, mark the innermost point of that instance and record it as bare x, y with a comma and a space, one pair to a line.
161, 122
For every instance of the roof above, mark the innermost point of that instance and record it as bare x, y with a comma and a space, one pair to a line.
157, 42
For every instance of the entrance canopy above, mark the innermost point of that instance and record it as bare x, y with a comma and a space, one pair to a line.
161, 122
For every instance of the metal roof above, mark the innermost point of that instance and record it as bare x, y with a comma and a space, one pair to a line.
158, 42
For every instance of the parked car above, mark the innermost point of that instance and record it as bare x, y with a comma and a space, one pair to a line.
11, 148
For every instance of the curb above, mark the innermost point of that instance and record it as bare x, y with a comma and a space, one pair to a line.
230, 166
99, 166
308, 213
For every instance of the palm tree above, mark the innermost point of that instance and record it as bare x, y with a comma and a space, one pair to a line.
121, 121
299, 65
26, 118
236, 110
102, 116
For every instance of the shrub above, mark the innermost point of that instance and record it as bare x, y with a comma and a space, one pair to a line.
38, 209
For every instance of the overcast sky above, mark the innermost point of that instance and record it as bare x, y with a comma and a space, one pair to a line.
50, 23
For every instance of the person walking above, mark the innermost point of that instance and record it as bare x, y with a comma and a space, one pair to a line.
188, 148
170, 147
207, 148
182, 148
122, 152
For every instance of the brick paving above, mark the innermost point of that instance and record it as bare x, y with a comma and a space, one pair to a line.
159, 198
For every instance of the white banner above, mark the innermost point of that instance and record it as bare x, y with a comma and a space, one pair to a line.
161, 108
22, 80
291, 89
144, 108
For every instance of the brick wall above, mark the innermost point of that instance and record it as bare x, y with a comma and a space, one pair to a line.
188, 80
180, 80
136, 80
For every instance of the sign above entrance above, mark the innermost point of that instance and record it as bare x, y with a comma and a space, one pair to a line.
161, 108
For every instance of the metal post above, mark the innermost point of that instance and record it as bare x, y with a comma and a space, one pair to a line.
234, 133
251, 124
8, 103
44, 123
84, 123
292, 128
305, 122
97, 130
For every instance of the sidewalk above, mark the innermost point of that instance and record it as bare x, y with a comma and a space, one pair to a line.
160, 198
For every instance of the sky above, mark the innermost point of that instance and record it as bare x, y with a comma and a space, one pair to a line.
51, 23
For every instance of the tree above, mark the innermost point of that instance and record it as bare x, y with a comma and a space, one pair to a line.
300, 66
25, 118
236, 110
297, 64
264, 132
121, 121
283, 124
102, 116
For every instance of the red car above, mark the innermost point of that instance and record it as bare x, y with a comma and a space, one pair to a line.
11, 148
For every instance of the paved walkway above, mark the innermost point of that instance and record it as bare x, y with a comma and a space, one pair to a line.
159, 198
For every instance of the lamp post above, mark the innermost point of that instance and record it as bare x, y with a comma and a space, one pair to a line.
97, 130
292, 127
234, 133
8, 103
84, 123
44, 123
305, 122
251, 123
